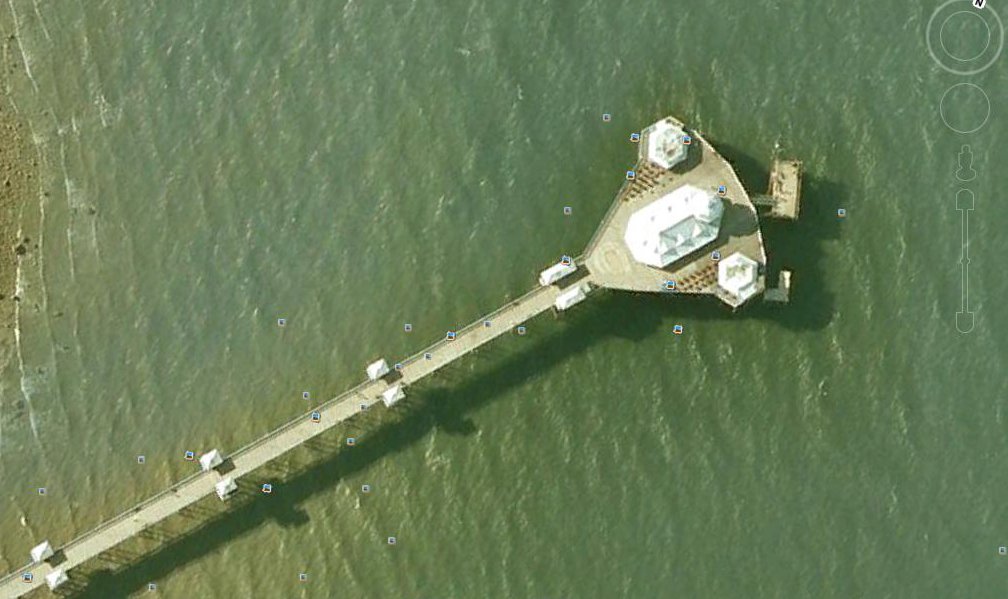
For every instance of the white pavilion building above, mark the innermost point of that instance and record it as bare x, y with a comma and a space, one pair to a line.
210, 460
665, 145
41, 552
673, 226
377, 369
738, 275
571, 296
56, 578
225, 487
392, 395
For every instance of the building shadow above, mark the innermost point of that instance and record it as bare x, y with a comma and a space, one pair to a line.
57, 558
225, 467
323, 462
798, 246
736, 221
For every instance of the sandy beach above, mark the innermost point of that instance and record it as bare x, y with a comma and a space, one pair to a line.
18, 187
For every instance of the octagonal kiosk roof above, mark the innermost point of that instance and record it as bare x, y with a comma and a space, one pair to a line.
665, 146
739, 275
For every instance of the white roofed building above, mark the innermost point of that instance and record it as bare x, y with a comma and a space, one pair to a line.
41, 552
571, 296
377, 369
210, 460
556, 272
225, 487
392, 395
739, 275
681, 200
665, 146
673, 226
56, 578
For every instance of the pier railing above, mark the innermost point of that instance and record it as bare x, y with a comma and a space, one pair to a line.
105, 525
273, 434
298, 420
474, 325
131, 512
605, 219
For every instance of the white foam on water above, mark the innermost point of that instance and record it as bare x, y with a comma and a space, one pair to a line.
45, 30
68, 186
25, 391
104, 109
24, 55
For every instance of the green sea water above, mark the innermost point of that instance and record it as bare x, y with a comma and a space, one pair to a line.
351, 166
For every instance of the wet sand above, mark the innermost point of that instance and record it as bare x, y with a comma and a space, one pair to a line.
18, 189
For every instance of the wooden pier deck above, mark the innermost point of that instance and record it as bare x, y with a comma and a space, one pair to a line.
281, 440
607, 262
784, 195
612, 265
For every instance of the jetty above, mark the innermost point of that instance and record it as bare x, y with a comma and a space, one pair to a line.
784, 196
681, 223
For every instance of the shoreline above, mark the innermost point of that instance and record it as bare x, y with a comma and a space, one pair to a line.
18, 178
19, 190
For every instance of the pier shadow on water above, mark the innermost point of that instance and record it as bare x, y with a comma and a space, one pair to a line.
797, 246
445, 402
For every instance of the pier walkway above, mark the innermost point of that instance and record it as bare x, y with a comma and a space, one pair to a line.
608, 262
279, 441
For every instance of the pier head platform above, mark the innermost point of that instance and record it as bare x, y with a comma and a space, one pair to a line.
682, 223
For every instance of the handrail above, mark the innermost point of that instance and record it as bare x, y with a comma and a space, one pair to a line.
273, 434
129, 513
475, 324
259, 441
605, 219
298, 420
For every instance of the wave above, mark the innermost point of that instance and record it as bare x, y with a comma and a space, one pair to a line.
24, 55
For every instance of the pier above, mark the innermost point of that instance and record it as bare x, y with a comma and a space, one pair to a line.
784, 196
681, 223
279, 441
613, 265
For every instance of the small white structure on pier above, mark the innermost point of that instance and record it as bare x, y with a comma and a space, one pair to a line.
570, 297
210, 460
378, 369
782, 293
665, 145
739, 275
41, 552
673, 226
56, 578
225, 487
392, 395
556, 272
